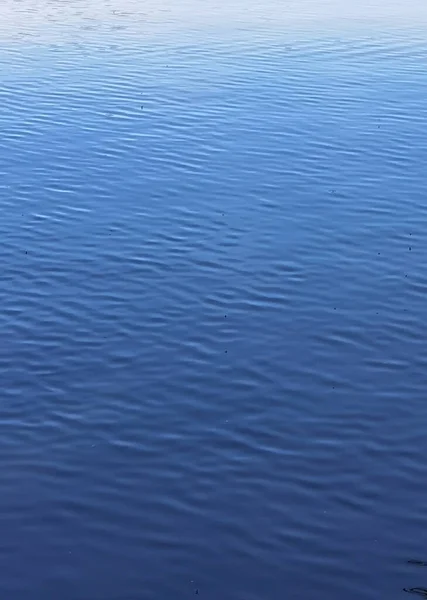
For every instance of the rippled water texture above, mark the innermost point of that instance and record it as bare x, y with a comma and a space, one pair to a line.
213, 301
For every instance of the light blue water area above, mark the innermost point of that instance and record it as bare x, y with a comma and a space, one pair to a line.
213, 285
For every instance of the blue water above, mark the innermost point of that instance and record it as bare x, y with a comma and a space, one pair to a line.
213, 290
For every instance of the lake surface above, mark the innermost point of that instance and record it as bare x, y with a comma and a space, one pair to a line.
213, 296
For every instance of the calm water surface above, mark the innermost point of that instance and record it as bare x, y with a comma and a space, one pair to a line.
213, 289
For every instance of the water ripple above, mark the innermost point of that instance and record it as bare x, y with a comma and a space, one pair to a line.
212, 291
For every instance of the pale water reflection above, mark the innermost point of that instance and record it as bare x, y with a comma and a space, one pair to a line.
46, 20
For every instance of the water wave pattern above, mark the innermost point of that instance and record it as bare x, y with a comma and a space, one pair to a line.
213, 314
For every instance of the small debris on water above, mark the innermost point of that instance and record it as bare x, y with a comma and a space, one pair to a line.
416, 590
418, 563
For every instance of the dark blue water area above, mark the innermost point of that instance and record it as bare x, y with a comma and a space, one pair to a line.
213, 315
